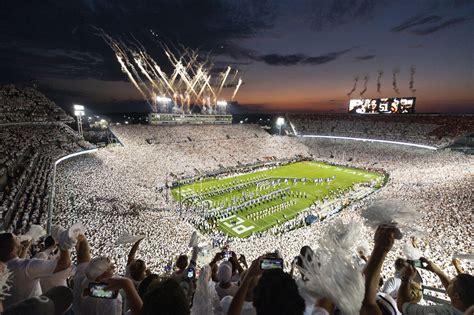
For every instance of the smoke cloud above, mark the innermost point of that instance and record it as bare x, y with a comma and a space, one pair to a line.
366, 79
394, 80
379, 77
412, 79
356, 79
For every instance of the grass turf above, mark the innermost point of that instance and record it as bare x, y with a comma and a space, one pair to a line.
241, 225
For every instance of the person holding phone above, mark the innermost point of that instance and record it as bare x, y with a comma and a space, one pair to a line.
458, 289
96, 285
27, 273
225, 286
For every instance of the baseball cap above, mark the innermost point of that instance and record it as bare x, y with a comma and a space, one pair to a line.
224, 273
96, 267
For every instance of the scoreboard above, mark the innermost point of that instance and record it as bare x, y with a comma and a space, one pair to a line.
395, 105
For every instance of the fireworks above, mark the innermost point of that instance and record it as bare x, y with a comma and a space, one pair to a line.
191, 83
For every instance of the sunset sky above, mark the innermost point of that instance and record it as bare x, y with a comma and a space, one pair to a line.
292, 55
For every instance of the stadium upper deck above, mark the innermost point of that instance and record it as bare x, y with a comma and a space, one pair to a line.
436, 130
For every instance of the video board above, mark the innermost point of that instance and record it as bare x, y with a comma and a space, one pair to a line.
395, 105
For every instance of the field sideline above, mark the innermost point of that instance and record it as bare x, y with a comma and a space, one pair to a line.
219, 195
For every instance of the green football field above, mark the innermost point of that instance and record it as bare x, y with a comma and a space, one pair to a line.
289, 189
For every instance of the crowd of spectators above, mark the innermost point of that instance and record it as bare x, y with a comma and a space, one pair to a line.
115, 192
119, 185
19, 105
28, 149
436, 130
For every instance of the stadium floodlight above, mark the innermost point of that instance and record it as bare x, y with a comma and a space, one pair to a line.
280, 122
79, 112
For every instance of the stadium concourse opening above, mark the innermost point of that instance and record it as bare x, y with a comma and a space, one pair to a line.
274, 196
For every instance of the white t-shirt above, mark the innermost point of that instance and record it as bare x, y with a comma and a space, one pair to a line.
25, 277
391, 286
221, 292
57, 279
79, 276
247, 308
98, 306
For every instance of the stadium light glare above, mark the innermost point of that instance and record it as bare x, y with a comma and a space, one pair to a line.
79, 112
163, 99
280, 122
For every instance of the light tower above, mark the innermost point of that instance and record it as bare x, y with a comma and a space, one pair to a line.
79, 112
280, 121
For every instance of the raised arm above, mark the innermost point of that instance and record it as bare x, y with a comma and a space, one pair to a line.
64, 260
213, 266
384, 239
134, 301
239, 298
25, 246
236, 263
431, 266
457, 266
194, 255
83, 250
133, 251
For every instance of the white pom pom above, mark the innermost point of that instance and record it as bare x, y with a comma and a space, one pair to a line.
411, 253
363, 248
393, 212
75, 230
331, 270
35, 232
5, 281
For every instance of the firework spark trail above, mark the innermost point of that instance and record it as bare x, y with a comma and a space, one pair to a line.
237, 88
394, 80
191, 81
412, 79
356, 79
234, 76
224, 79
366, 79
379, 77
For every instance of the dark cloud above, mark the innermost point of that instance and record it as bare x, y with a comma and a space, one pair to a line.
295, 59
365, 57
282, 60
435, 28
67, 44
416, 21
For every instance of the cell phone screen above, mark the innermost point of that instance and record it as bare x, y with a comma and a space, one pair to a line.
271, 263
416, 263
97, 290
190, 273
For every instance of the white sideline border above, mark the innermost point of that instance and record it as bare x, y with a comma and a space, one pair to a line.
53, 185
373, 140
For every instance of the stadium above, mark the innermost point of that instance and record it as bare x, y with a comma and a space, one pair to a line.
223, 179
184, 159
